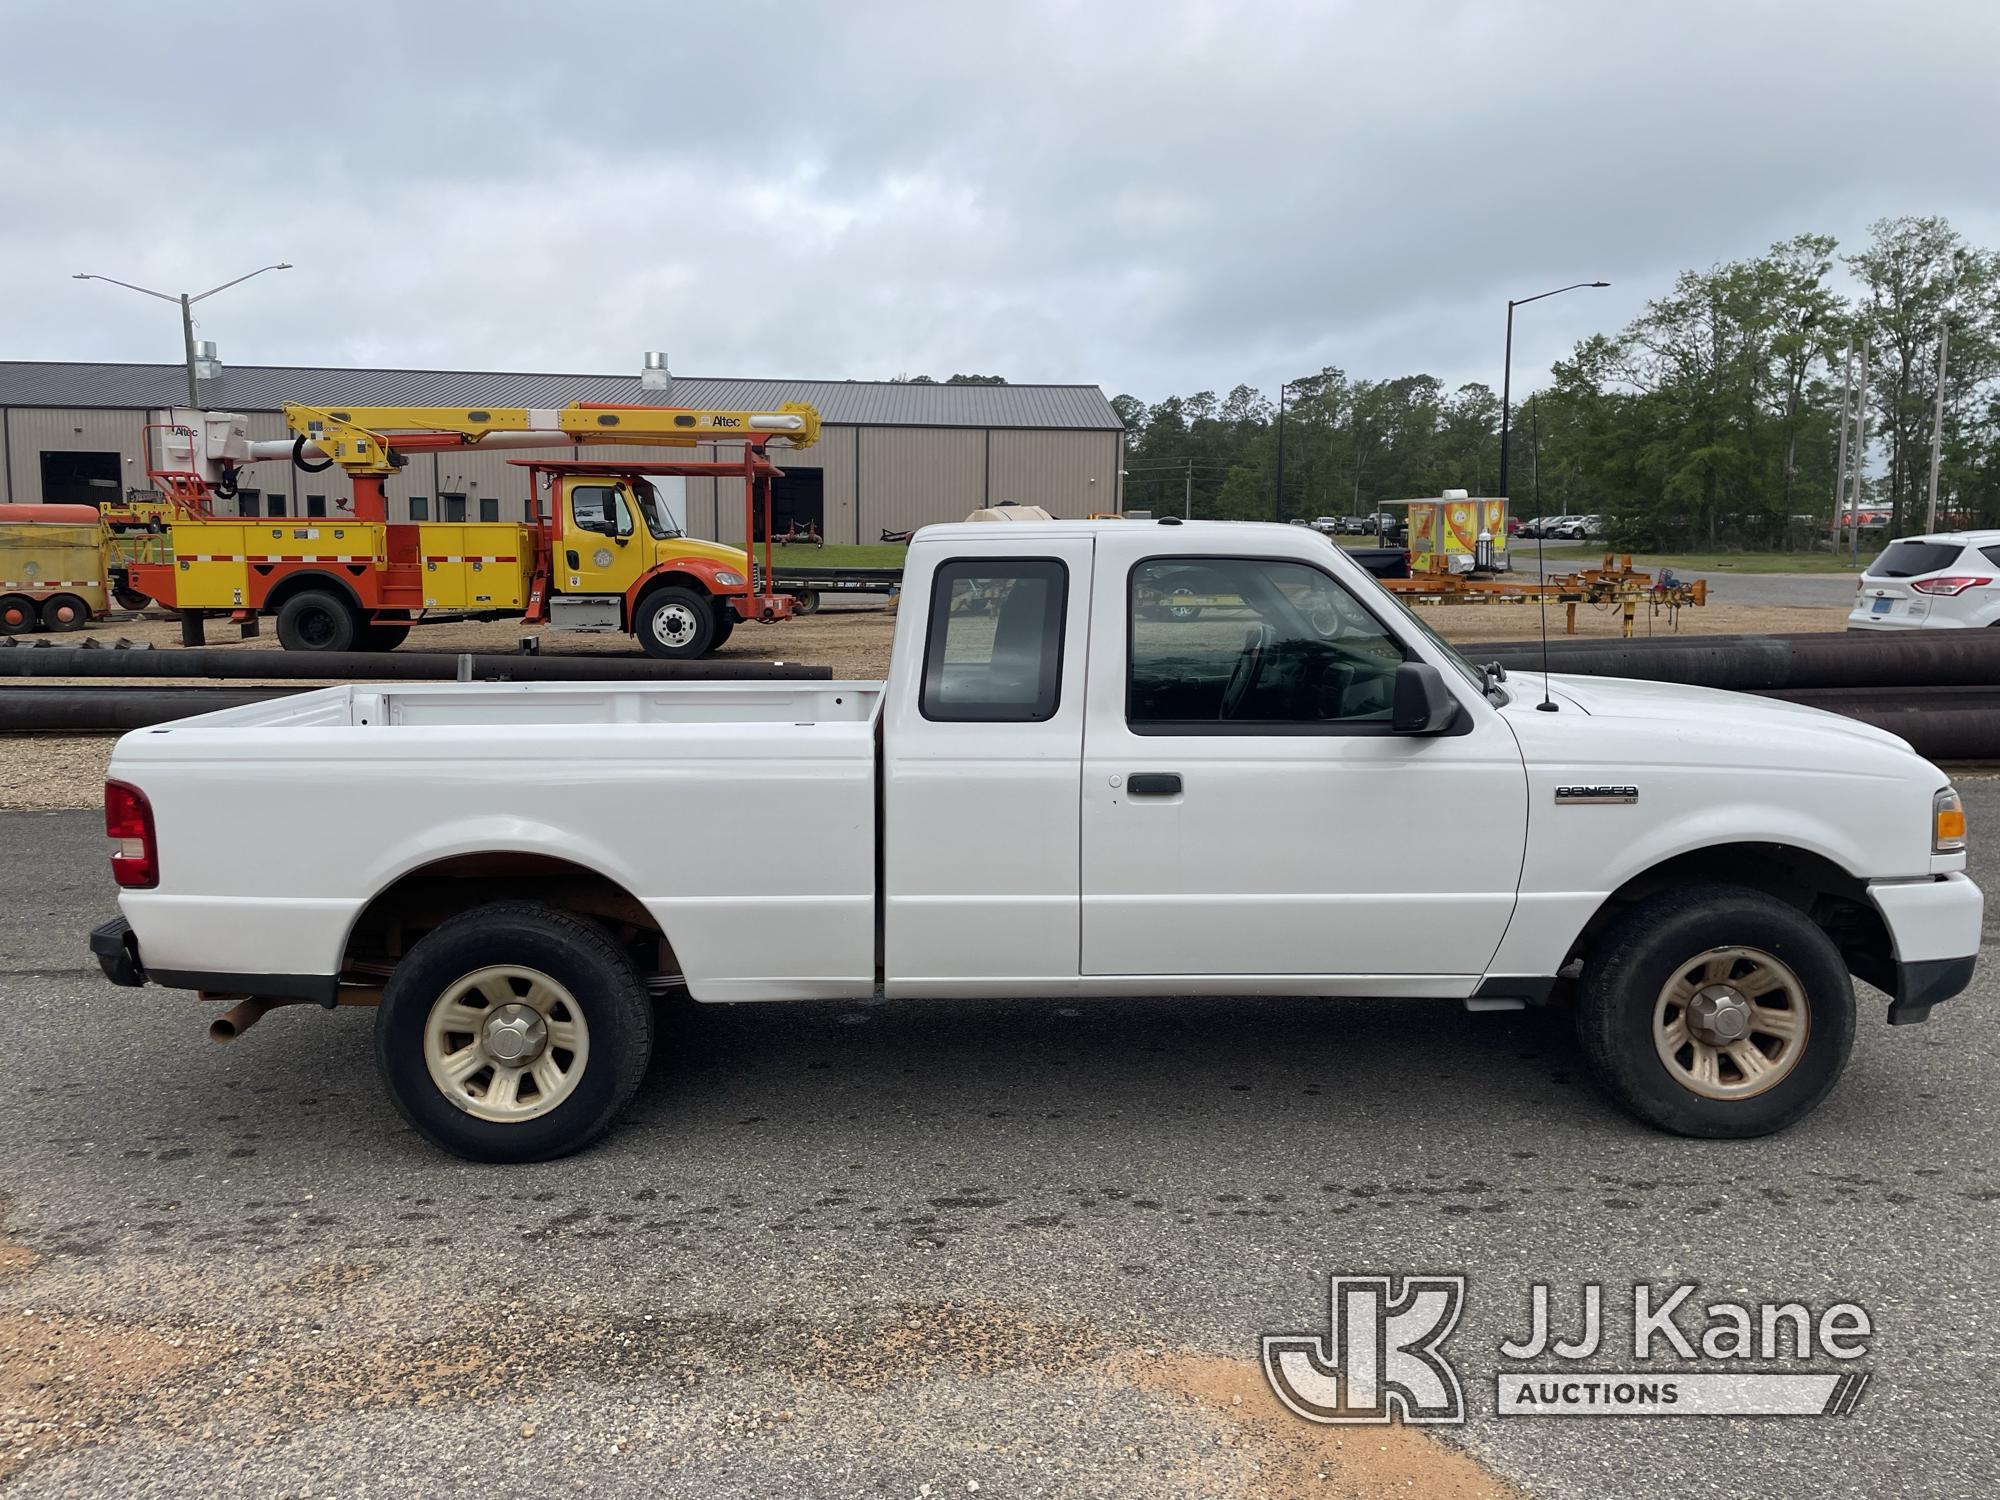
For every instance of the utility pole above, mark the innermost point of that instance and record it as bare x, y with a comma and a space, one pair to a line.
1937, 424
1278, 500
1860, 456
1187, 500
1840, 467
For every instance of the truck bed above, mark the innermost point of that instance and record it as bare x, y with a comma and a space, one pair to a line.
469, 704
285, 819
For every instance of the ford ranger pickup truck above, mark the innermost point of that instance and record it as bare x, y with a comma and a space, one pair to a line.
1070, 784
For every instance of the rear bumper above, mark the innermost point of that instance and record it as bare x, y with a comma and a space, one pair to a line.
117, 949
1934, 928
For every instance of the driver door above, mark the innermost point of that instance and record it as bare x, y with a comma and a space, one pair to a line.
600, 553
1249, 815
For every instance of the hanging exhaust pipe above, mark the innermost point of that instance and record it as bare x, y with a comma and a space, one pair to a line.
241, 1016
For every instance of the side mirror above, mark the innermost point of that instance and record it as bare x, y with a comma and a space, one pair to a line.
1422, 703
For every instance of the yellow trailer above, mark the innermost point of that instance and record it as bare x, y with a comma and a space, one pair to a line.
51, 567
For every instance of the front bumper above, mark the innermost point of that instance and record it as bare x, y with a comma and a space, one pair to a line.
1934, 930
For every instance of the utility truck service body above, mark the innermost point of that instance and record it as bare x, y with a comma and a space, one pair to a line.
1066, 787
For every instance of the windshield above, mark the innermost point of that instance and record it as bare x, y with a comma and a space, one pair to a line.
658, 521
1466, 668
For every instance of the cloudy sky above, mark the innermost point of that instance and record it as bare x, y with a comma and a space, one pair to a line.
1155, 197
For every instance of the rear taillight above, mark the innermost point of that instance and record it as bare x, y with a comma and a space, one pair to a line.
1958, 583
128, 822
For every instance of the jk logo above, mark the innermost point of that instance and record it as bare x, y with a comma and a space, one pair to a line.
1381, 1354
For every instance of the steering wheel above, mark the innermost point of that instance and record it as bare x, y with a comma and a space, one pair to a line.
1249, 667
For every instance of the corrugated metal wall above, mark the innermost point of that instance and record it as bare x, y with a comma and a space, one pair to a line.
911, 476
35, 430
1070, 474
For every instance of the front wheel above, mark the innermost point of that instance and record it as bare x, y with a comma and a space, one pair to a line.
513, 1033
1716, 1011
678, 624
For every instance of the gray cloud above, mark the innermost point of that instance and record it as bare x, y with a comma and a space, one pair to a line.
1156, 197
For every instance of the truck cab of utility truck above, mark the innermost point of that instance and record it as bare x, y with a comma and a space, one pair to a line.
1109, 759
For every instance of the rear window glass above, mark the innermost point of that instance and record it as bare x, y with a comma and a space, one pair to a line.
1914, 559
1991, 554
994, 651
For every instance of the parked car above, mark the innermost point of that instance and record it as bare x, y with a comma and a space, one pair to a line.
1579, 529
1946, 582
1329, 525
1110, 758
1542, 526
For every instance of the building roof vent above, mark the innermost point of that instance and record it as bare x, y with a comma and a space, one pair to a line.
654, 374
207, 363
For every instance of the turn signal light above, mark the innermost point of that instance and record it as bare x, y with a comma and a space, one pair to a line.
1947, 822
1958, 583
128, 823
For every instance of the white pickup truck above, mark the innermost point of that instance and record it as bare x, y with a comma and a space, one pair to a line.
1111, 758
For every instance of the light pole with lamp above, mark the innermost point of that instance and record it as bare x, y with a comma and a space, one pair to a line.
1507, 369
187, 303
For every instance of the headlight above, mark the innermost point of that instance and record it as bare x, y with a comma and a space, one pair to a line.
728, 579
1947, 822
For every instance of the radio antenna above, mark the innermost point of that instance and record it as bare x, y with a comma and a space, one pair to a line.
1548, 703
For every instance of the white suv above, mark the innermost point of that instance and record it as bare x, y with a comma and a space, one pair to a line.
1947, 582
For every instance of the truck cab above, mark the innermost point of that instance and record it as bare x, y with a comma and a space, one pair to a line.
1109, 759
620, 560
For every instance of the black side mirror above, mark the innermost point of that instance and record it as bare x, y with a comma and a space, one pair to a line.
1422, 703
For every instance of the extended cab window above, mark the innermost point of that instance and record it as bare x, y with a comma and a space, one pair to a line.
1250, 642
994, 649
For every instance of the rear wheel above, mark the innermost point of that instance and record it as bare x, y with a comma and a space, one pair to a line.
1716, 1011
131, 598
65, 612
18, 614
805, 602
513, 1033
317, 621
678, 624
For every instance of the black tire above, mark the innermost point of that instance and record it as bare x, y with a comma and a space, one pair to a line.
676, 624
725, 625
805, 602
616, 1011
378, 637
131, 598
64, 612
317, 620
18, 614
1636, 958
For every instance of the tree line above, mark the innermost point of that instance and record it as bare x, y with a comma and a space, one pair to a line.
1712, 419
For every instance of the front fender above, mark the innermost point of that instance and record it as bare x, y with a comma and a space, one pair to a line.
700, 571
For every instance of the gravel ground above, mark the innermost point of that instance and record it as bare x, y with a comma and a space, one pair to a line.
984, 1248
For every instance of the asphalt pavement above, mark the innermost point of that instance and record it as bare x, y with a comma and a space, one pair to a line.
932, 1249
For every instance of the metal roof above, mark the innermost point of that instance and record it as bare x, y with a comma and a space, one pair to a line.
268, 387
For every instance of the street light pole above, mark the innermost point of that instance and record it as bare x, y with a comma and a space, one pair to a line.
186, 302
1507, 367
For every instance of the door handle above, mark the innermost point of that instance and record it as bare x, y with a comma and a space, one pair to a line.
571, 556
1153, 784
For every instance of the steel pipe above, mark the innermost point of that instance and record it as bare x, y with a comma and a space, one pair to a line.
386, 666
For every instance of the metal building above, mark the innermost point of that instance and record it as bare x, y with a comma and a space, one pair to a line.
891, 455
